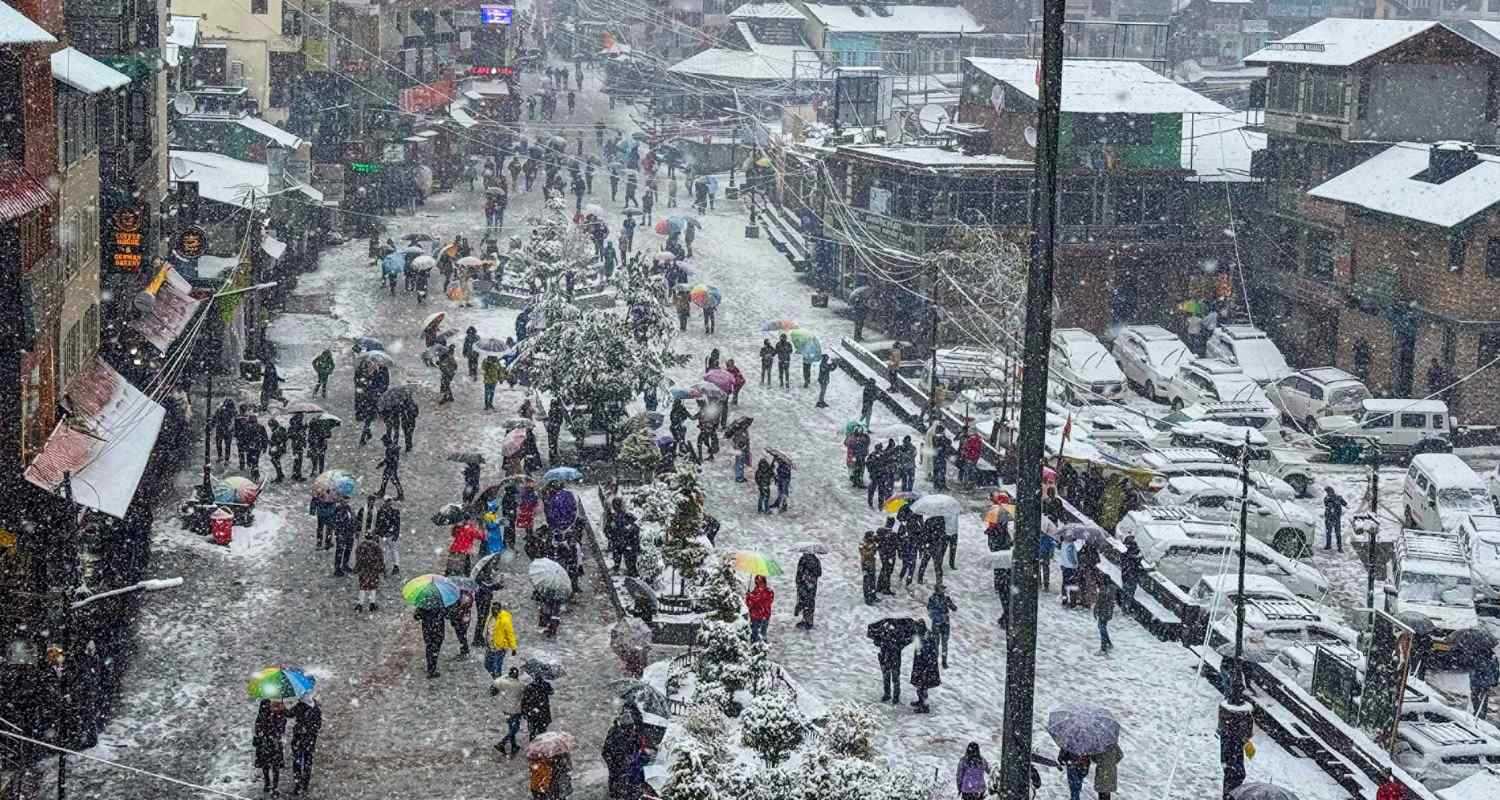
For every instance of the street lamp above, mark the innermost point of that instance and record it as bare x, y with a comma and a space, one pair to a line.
1235, 720
149, 585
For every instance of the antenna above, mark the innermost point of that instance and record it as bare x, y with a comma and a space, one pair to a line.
1031, 136
932, 118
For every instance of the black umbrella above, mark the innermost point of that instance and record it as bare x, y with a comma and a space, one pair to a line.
646, 699
466, 457
487, 569
639, 591
1419, 623
416, 237
327, 423
737, 426
1471, 644
395, 399
450, 514
545, 667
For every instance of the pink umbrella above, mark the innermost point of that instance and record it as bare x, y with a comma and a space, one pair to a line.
721, 379
513, 442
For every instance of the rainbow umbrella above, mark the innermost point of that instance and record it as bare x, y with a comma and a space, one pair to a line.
430, 591
235, 489
899, 500
705, 296
756, 564
280, 683
778, 325
806, 343
333, 486
993, 515
1193, 307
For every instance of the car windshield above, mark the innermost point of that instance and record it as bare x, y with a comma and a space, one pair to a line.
1166, 352
1447, 590
1487, 551
1260, 353
1238, 389
1459, 499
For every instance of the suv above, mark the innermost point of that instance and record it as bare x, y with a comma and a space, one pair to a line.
1287, 463
1190, 462
1479, 535
1149, 356
1209, 380
1304, 396
1430, 576
1250, 348
1087, 371
1183, 548
1441, 746
1261, 416
959, 367
1275, 613
1283, 525
1401, 427
1440, 490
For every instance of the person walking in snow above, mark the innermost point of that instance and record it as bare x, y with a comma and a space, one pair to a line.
906, 464
767, 355
471, 354
888, 546
867, 566
809, 570
891, 636
867, 398
825, 374
925, 673
556, 416
369, 568
758, 600
764, 475
931, 543
783, 360
631, 182
536, 705
388, 529
309, 717
434, 629
942, 450
296, 435
614, 180
857, 449
270, 727
278, 439
225, 417
502, 638
510, 688
939, 604
1333, 517
252, 444
447, 369
391, 464
323, 367
739, 380
270, 385
973, 775
783, 485
1104, 610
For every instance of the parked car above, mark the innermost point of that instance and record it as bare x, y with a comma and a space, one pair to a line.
1261, 416
1281, 524
1440, 491
965, 367
1183, 547
1189, 462
1209, 380
1401, 427
1087, 372
1149, 355
1268, 603
1304, 396
1493, 482
1287, 463
1296, 661
1479, 535
1250, 348
1429, 574
1441, 746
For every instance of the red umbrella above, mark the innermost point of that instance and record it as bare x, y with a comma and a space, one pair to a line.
663, 227
721, 379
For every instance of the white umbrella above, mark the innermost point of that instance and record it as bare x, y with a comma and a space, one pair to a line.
938, 505
423, 262
470, 261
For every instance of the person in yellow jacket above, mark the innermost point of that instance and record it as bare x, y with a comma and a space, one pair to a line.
502, 638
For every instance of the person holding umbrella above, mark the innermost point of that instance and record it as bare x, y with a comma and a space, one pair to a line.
270, 726
891, 636
759, 600
309, 717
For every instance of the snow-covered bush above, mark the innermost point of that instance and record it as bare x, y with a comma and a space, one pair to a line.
719, 591
706, 723
691, 775
772, 726
652, 502
826, 777
846, 731
770, 783
649, 564
639, 452
724, 653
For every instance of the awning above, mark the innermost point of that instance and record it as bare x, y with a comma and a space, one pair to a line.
134, 66
104, 441
273, 247
85, 73
20, 194
462, 118
171, 312
17, 28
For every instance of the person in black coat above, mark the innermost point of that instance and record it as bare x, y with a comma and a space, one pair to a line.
764, 475
942, 450
1130, 572
278, 436
270, 727
874, 466
536, 705
888, 545
270, 385
225, 418
434, 630
867, 398
997, 537
556, 415
253, 442
891, 635
296, 436
471, 354
925, 673
317, 448
930, 543
618, 527
621, 745
343, 538
809, 570
767, 355
309, 717
826, 368
783, 360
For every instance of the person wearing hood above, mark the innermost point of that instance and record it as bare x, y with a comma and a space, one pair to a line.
270, 726
925, 673
1107, 771
536, 705
758, 600
471, 353
502, 638
369, 567
764, 475
618, 524
323, 367
783, 485
867, 566
621, 747
783, 361
939, 604
973, 775
767, 355
1130, 572
309, 717
809, 570
891, 636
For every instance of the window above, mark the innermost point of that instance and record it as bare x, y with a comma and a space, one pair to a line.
1417, 421
1076, 206
1458, 245
1437, 421
1319, 255
72, 359
72, 244
1091, 129
1489, 347
1012, 202
260, 6
1325, 95
1492, 255
89, 230
1283, 90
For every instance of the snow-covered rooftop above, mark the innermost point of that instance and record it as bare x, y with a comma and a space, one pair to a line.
1217, 147
17, 28
777, 10
936, 157
229, 180
901, 19
181, 31
1337, 42
761, 62
84, 73
282, 137
1387, 183
1103, 87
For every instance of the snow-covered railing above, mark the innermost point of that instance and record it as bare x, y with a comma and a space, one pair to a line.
604, 574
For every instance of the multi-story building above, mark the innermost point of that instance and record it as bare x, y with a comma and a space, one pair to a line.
910, 38
256, 45
1339, 93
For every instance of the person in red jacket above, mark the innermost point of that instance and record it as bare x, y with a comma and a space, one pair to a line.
759, 600
968, 456
1391, 789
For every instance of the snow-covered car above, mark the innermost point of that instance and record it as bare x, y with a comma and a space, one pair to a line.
1209, 380
1258, 415
1402, 427
1189, 462
1149, 355
1441, 746
959, 367
1440, 490
1277, 612
1287, 463
1428, 574
1281, 524
1479, 536
1492, 482
1251, 349
1183, 548
1311, 393
1087, 372
1297, 660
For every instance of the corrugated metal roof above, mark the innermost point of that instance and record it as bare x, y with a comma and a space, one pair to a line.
170, 314
20, 194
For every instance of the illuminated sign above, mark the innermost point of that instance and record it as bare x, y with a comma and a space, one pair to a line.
191, 242
501, 72
363, 167
126, 239
495, 14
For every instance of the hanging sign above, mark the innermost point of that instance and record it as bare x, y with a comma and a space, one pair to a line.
190, 242
126, 239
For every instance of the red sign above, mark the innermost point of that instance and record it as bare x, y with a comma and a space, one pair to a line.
434, 95
498, 72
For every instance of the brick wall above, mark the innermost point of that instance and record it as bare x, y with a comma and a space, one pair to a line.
1420, 253
1356, 325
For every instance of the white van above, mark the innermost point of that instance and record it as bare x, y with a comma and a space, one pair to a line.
1183, 548
1440, 491
1401, 427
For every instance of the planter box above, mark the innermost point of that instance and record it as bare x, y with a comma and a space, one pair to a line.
680, 634
752, 231
820, 300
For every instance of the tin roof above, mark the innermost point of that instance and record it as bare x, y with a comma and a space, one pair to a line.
20, 194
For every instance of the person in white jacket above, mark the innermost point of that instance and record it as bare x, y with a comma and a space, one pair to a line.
509, 688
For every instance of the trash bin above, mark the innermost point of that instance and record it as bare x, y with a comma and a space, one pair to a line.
221, 526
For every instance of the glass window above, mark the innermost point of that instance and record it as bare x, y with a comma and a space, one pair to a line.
72, 353
1129, 203
1012, 202
1414, 421
1076, 203
72, 245
91, 330
1283, 89
1492, 255
1437, 421
263, 7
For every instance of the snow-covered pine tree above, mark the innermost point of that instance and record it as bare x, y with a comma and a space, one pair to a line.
846, 731
639, 452
773, 726
719, 591
690, 776
649, 564
724, 652
823, 776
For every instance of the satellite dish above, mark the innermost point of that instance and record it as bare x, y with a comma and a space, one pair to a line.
932, 118
184, 103
997, 98
1031, 136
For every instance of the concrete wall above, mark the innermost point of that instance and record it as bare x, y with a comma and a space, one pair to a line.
1426, 102
79, 193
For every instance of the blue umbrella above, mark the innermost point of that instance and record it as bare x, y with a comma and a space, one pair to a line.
393, 264
686, 393
811, 351
368, 343
561, 474
664, 439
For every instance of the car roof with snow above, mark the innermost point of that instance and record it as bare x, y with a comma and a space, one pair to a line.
1150, 333
1228, 583
1391, 405
1485, 526
1195, 484
1242, 332
1074, 336
1216, 366
1327, 375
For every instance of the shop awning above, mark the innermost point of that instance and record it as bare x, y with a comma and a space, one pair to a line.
86, 74
20, 194
104, 441
170, 313
462, 117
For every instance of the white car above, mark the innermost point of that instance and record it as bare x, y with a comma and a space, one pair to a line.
1183, 548
1305, 396
1479, 535
1297, 660
1251, 349
1278, 617
1441, 746
1430, 575
1282, 525
1149, 355
1190, 462
1209, 380
1086, 370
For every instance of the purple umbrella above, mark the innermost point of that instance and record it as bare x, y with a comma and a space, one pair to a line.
561, 510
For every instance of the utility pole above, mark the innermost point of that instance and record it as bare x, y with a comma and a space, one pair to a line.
1020, 644
1235, 720
932, 300
1374, 527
